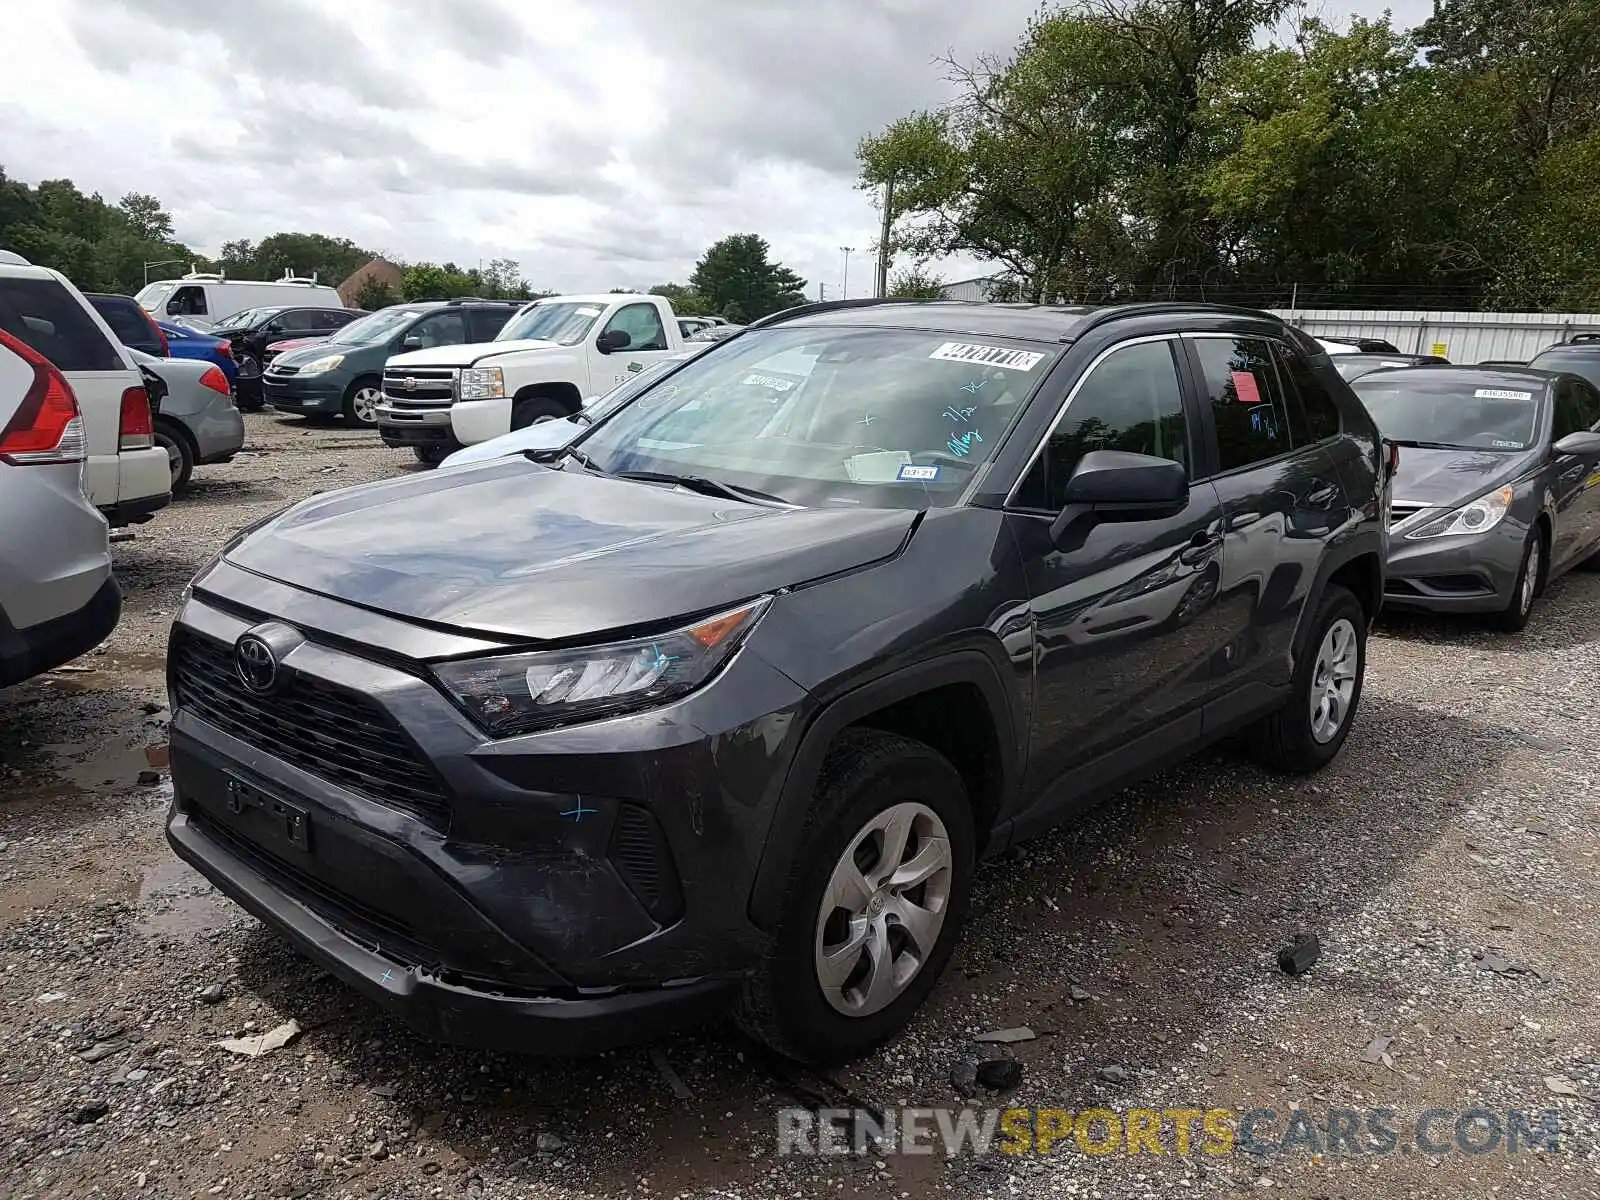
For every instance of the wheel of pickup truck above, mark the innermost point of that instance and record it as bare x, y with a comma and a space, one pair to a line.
361, 402
432, 455
536, 410
875, 902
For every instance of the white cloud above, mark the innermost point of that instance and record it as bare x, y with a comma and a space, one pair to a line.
601, 144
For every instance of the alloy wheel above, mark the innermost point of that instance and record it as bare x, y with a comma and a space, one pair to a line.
883, 909
365, 405
1530, 578
1333, 683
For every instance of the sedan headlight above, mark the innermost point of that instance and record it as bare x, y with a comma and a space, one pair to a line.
1480, 516
520, 693
482, 383
323, 365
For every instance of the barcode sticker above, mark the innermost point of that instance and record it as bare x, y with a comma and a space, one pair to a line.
988, 356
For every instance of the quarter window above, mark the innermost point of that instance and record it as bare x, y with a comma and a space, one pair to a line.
1131, 401
1569, 415
1316, 417
1242, 386
47, 317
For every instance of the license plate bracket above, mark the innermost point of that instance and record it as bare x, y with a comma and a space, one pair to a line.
290, 821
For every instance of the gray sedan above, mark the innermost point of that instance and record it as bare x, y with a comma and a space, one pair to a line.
1498, 489
197, 422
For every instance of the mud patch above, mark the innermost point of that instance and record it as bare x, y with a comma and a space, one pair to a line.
176, 903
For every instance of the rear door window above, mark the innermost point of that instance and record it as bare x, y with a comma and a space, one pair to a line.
49, 318
127, 322
1569, 414
487, 322
1316, 417
1246, 398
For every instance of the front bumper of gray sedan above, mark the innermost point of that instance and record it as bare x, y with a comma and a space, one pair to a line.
1463, 573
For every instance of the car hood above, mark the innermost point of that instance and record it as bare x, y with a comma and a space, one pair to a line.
520, 551
1446, 478
469, 355
292, 344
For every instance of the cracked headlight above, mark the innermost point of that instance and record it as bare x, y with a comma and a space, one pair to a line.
520, 693
481, 383
1480, 516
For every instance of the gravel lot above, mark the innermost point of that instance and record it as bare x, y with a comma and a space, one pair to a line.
1447, 861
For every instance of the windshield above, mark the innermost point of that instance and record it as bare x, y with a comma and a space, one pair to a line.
154, 296
564, 323
886, 417
377, 327
1489, 413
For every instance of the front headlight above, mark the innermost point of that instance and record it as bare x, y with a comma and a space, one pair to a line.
482, 383
1482, 515
520, 693
322, 366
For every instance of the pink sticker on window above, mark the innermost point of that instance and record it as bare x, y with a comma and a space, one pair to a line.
1244, 384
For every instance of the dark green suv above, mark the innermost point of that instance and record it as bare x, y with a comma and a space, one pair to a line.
343, 375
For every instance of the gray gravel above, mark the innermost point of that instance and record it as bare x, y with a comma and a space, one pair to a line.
1447, 862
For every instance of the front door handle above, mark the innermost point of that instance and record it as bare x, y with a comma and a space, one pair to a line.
1323, 496
1201, 547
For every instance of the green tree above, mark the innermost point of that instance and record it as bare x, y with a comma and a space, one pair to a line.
740, 281
145, 214
685, 301
913, 283
374, 294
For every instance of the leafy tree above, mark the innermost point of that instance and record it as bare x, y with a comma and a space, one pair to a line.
741, 283
685, 301
374, 294
145, 214
913, 283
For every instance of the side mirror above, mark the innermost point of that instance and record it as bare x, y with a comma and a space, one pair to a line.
1113, 485
1583, 442
411, 342
612, 340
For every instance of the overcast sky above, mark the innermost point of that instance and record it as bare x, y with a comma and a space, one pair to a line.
601, 143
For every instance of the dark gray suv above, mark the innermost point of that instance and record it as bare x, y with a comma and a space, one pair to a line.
716, 707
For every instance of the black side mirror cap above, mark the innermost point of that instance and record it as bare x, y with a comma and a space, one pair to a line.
1585, 441
612, 340
1114, 485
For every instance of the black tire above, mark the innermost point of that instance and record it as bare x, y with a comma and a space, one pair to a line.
180, 453
866, 773
1513, 618
358, 400
535, 409
432, 455
1285, 741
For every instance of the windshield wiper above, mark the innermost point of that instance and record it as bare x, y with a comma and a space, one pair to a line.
707, 487
549, 457
1431, 445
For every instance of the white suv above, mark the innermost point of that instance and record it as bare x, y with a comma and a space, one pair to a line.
125, 474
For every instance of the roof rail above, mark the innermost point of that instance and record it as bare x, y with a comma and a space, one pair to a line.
820, 306
206, 276
1139, 308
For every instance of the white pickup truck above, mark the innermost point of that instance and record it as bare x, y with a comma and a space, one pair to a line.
546, 361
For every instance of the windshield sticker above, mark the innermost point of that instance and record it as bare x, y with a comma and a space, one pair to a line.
876, 466
1502, 444
961, 444
588, 312
1394, 364
959, 414
1500, 394
776, 382
915, 474
1244, 386
988, 356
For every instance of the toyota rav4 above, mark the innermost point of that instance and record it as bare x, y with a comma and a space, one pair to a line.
715, 707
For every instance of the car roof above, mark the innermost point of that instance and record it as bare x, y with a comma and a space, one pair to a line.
1572, 349
1467, 375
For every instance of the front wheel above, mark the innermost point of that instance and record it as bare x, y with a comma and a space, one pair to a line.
1513, 618
1307, 732
361, 402
432, 455
876, 898
536, 410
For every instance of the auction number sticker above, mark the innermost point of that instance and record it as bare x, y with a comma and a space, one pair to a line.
1500, 394
988, 356
913, 473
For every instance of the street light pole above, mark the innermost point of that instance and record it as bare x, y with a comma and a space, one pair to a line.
844, 287
164, 262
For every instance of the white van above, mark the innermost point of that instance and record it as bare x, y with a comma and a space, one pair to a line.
213, 297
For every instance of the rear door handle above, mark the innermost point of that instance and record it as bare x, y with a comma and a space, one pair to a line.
1201, 547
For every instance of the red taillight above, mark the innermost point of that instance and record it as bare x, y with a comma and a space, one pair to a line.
137, 431
216, 381
161, 336
1394, 459
47, 427
225, 349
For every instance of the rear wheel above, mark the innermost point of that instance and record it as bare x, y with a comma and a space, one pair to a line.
361, 402
1513, 618
875, 902
536, 410
180, 455
1306, 733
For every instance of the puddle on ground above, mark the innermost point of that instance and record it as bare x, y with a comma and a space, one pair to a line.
176, 902
100, 767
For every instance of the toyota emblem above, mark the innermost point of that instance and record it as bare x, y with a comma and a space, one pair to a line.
255, 662
410, 384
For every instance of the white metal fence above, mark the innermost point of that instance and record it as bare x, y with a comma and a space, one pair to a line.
1462, 337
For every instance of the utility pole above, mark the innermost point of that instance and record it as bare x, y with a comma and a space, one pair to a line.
822, 292
883, 238
844, 287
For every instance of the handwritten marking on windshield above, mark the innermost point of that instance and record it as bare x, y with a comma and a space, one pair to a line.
975, 387
961, 444
959, 414
866, 419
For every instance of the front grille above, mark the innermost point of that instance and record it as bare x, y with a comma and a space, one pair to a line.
326, 730
277, 370
430, 387
1402, 510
